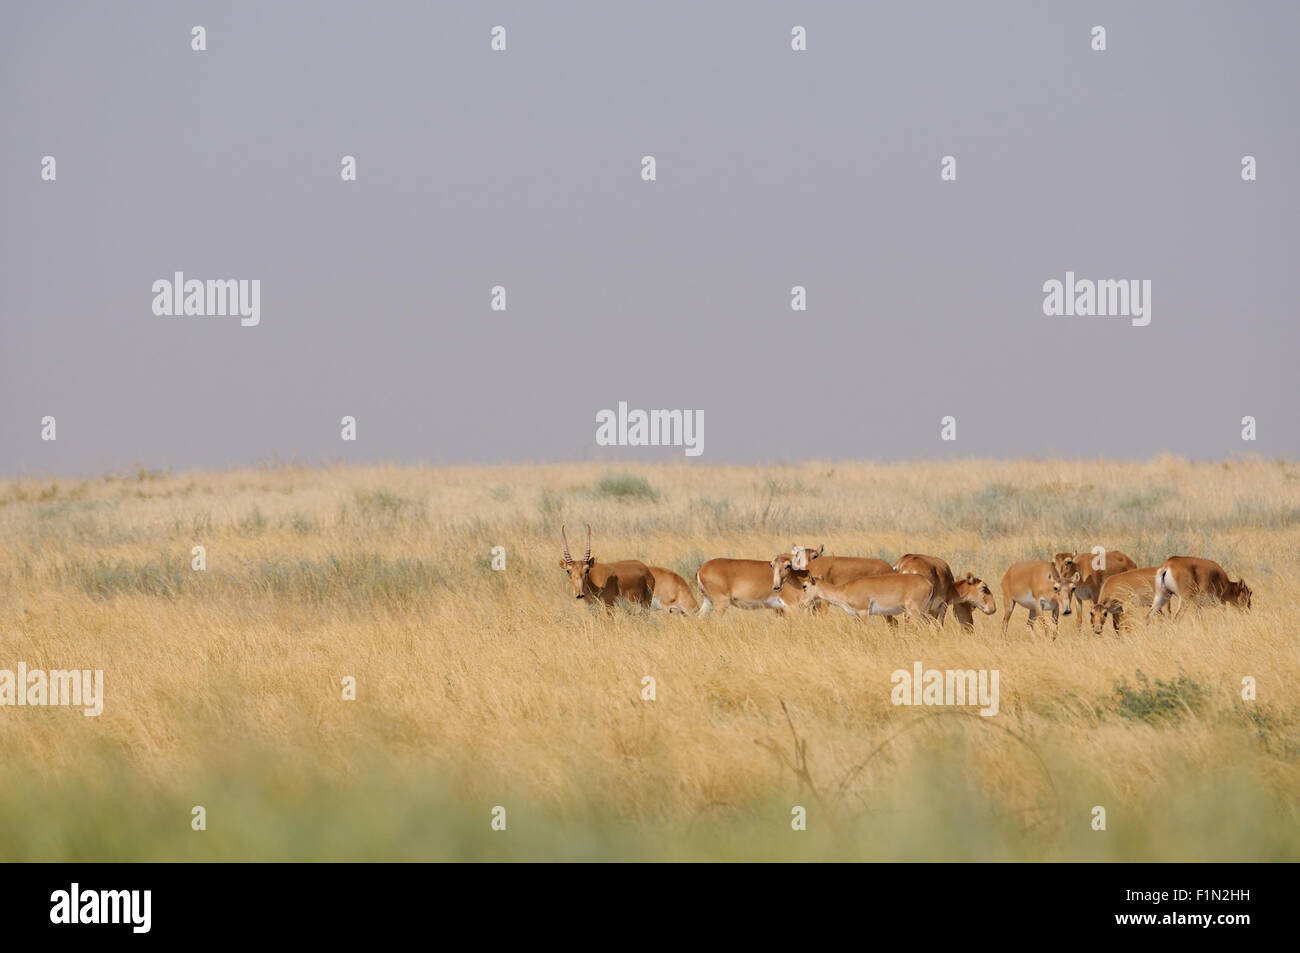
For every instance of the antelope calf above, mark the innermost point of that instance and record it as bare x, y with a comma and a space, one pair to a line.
1036, 586
1202, 581
1093, 570
628, 580
1136, 587
886, 594
672, 593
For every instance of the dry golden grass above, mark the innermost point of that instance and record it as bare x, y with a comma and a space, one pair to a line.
479, 688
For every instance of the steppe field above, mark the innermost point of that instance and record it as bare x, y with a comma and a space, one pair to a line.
478, 689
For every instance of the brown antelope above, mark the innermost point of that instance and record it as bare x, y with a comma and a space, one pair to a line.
794, 567
942, 586
886, 594
1093, 568
972, 593
628, 580
964, 594
1136, 587
1197, 580
746, 584
672, 592
1037, 587
837, 569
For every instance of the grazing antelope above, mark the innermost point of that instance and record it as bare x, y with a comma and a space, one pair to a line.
1093, 569
1197, 580
886, 594
1037, 587
746, 584
628, 580
1134, 587
672, 592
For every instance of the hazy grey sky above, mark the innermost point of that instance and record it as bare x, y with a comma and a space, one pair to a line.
522, 168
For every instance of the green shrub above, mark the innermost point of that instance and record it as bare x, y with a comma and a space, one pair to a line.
625, 486
1159, 700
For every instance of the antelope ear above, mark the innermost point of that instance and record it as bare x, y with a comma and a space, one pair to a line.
970, 577
822, 549
1076, 578
564, 564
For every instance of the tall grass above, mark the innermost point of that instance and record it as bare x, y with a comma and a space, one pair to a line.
477, 688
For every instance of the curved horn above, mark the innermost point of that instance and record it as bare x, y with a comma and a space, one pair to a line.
587, 558
567, 557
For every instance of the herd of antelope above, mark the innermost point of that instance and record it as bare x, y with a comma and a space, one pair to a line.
915, 587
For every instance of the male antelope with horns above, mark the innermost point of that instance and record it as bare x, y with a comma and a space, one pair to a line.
629, 580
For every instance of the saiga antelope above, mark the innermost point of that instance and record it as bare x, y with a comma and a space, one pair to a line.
746, 584
627, 580
1036, 586
1197, 580
672, 592
886, 594
1093, 569
964, 594
1135, 587
837, 569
